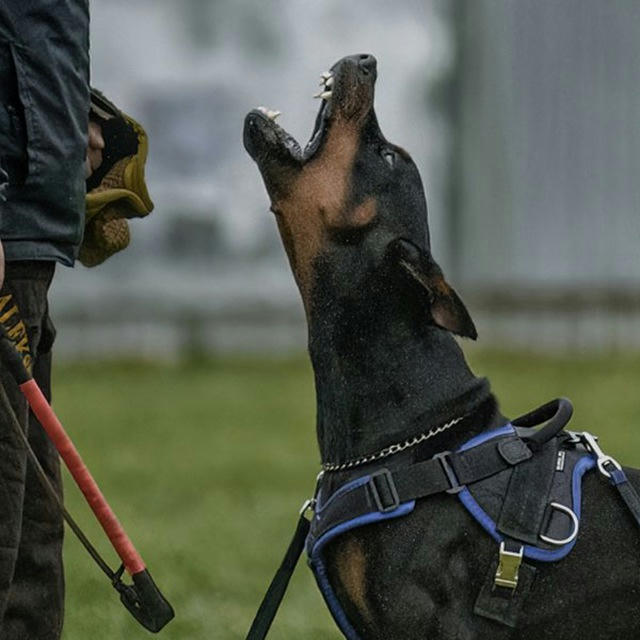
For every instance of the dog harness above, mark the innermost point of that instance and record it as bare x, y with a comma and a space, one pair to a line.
521, 482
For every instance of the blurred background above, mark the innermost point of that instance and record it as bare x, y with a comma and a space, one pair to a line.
181, 370
522, 117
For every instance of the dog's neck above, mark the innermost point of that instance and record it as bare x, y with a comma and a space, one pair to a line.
383, 375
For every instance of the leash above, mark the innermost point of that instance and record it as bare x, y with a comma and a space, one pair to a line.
278, 587
142, 599
275, 593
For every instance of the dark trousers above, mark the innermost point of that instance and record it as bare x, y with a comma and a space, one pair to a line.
31, 527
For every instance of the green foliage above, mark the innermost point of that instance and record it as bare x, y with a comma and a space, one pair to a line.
207, 464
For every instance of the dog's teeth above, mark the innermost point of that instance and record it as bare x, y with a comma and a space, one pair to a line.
326, 79
318, 95
325, 95
270, 113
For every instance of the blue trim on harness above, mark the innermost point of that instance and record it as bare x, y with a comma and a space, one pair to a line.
481, 438
404, 509
350, 486
317, 561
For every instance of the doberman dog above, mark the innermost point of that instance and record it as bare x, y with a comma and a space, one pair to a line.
352, 215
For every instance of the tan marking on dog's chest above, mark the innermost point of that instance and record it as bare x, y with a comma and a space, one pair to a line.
351, 564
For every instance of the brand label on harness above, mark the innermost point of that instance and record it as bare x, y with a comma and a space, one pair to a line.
561, 460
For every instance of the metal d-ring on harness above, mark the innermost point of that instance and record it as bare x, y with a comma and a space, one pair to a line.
541, 469
574, 532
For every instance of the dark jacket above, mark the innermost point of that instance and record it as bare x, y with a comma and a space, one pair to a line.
44, 103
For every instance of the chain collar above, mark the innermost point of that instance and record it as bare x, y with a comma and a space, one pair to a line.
392, 449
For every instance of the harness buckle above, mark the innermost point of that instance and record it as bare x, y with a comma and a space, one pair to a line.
508, 567
443, 459
383, 476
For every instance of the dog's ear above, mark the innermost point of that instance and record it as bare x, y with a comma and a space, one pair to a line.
447, 310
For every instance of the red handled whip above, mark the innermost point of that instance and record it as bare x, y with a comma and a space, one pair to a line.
142, 598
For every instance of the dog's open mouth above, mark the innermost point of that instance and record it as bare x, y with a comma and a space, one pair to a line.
263, 133
340, 89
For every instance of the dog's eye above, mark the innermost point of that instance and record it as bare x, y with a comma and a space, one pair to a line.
389, 157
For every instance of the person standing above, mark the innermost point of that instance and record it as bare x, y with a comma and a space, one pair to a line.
44, 106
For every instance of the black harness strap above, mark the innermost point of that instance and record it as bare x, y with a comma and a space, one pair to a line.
446, 472
523, 510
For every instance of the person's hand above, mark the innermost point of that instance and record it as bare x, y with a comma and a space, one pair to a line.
94, 149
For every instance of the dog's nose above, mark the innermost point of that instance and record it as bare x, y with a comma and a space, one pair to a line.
367, 63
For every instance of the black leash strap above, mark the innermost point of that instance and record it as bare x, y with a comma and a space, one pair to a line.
142, 598
278, 587
626, 490
613, 471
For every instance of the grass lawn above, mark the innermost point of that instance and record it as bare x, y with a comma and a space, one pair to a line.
207, 464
